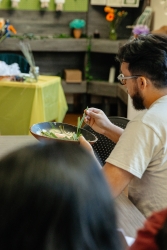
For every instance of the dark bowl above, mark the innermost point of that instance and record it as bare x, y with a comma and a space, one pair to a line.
36, 130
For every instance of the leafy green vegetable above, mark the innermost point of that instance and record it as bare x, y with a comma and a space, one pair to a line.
49, 134
79, 124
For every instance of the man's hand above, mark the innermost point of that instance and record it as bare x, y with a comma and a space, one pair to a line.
84, 143
97, 120
100, 123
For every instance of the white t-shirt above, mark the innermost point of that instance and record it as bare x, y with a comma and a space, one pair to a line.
142, 151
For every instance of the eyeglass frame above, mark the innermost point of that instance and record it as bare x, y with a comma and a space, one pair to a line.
121, 77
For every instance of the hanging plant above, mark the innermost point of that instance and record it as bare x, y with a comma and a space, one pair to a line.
88, 77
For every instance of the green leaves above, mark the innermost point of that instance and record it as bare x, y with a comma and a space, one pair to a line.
79, 124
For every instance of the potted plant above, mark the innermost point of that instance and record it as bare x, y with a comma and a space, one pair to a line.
140, 29
114, 17
77, 25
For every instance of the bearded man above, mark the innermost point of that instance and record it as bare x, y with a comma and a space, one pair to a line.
139, 158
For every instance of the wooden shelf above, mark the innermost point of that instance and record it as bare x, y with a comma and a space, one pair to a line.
107, 89
44, 45
73, 88
64, 45
97, 88
106, 45
102, 88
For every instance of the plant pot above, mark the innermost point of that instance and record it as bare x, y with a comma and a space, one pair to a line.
135, 36
77, 33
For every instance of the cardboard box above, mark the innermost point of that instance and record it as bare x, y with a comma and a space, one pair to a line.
73, 76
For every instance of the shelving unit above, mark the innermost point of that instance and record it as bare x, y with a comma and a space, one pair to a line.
75, 47
47, 44
102, 88
74, 88
64, 45
53, 55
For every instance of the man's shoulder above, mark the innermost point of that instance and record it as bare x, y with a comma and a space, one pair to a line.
139, 120
153, 117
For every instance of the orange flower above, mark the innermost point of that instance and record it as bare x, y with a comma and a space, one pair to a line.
11, 28
110, 17
114, 17
109, 9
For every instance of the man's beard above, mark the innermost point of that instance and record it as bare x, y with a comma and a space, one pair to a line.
138, 101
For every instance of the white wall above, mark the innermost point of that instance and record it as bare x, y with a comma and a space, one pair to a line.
160, 18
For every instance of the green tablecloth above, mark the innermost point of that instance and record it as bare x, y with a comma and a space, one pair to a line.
24, 104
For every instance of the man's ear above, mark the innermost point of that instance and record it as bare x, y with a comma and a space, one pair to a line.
142, 82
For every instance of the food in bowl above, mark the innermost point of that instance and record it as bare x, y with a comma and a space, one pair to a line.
63, 134
60, 131
52, 133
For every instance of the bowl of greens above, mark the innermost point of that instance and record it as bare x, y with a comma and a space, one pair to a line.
46, 131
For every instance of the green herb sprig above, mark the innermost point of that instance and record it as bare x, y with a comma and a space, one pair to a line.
79, 124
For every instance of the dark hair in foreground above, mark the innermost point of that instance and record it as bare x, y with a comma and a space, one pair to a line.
147, 56
54, 197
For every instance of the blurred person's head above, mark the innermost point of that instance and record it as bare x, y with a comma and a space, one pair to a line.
54, 197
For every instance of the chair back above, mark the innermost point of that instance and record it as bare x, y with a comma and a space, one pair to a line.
103, 147
10, 58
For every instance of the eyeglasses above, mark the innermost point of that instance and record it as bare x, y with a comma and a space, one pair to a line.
122, 78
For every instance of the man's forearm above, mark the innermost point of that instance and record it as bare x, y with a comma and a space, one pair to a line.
117, 178
113, 132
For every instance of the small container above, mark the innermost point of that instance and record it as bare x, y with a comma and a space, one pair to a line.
73, 75
96, 34
36, 71
111, 75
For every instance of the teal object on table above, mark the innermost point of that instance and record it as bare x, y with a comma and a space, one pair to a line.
10, 58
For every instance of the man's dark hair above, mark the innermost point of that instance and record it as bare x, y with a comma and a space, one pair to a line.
147, 56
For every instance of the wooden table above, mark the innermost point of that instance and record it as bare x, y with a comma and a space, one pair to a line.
129, 217
23, 104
